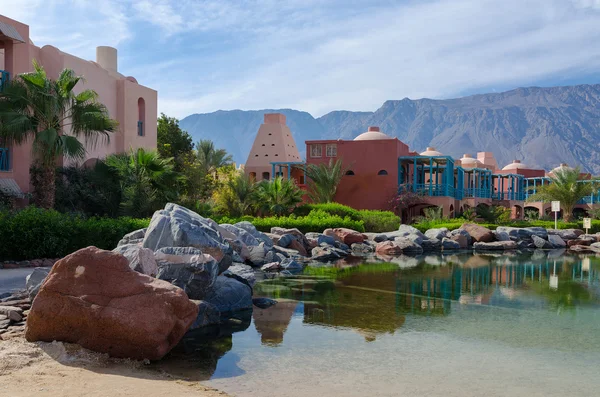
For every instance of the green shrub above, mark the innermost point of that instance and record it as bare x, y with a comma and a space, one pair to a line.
452, 224
331, 208
36, 233
379, 221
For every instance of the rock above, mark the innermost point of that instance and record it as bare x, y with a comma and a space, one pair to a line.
207, 315
323, 239
94, 299
580, 241
431, 244
437, 234
134, 237
380, 237
449, 244
241, 272
595, 245
4, 323
348, 236
501, 236
405, 230
525, 244
298, 246
388, 248
34, 281
495, 245
566, 234
556, 241
540, 242
325, 254
287, 252
464, 235
230, 295
249, 227
415, 238
243, 235
584, 248
140, 259
257, 254
290, 264
285, 240
263, 303
523, 233
408, 246
12, 313
176, 226
273, 256
478, 233
270, 267
362, 248
188, 268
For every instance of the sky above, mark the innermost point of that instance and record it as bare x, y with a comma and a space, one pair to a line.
324, 55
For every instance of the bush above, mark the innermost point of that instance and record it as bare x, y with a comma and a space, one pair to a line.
453, 224
330, 208
379, 221
36, 233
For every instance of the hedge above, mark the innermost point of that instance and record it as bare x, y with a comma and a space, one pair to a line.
452, 224
34, 233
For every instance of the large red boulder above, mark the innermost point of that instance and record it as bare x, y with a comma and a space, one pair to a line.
478, 233
348, 236
93, 298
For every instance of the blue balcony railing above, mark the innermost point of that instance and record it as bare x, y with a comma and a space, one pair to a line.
4, 75
477, 192
4, 159
431, 190
140, 128
519, 196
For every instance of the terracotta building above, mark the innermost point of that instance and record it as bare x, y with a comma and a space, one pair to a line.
133, 105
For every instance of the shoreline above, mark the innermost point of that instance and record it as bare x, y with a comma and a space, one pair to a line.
61, 369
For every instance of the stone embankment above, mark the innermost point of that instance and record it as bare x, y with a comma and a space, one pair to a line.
186, 272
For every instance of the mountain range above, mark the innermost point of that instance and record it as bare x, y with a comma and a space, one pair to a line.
542, 127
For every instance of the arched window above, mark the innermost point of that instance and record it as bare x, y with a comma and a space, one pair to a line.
266, 176
349, 172
382, 172
141, 116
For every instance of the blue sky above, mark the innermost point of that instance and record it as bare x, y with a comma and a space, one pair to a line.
323, 55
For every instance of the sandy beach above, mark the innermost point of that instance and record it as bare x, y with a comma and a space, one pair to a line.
60, 369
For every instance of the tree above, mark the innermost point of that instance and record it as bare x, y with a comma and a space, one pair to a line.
237, 196
38, 109
147, 181
566, 186
172, 141
323, 180
278, 196
202, 170
211, 159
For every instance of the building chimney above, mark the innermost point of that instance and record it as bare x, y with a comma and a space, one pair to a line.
373, 129
517, 161
274, 118
107, 58
430, 149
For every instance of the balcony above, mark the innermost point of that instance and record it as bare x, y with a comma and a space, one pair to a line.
430, 189
4, 159
4, 75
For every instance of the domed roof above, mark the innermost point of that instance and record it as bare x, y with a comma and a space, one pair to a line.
562, 167
514, 165
373, 134
431, 152
467, 161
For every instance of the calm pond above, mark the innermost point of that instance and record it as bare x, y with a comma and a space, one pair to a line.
452, 325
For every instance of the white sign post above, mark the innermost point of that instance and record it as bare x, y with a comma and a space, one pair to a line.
587, 224
556, 210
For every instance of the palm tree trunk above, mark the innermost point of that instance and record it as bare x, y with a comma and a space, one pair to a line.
43, 181
567, 213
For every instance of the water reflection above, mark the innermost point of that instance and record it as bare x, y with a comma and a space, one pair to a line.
375, 297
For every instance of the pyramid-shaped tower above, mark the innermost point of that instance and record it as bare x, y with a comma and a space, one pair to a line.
273, 143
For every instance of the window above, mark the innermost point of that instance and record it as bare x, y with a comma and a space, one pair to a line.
316, 150
331, 150
141, 116
265, 176
383, 172
349, 172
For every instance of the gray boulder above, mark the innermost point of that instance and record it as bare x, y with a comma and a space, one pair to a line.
189, 269
502, 236
244, 236
556, 241
524, 233
140, 259
249, 227
207, 315
378, 238
257, 254
431, 244
285, 240
438, 234
290, 264
229, 295
450, 245
566, 234
540, 242
273, 256
405, 230
34, 281
362, 248
408, 246
135, 237
325, 254
323, 239
495, 245
461, 236
241, 272
415, 238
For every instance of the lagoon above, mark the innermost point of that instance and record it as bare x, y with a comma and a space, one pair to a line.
452, 325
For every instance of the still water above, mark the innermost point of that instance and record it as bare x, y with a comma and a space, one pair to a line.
454, 325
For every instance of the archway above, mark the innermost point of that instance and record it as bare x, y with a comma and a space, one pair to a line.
451, 212
517, 212
349, 172
531, 213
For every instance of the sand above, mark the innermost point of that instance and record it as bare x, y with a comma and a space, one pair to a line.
60, 369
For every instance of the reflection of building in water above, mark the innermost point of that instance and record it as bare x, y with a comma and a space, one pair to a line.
272, 323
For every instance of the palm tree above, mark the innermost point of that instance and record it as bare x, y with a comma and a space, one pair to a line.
324, 180
211, 159
237, 196
147, 181
49, 114
278, 196
567, 187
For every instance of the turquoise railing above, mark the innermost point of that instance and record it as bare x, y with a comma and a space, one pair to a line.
4, 159
4, 76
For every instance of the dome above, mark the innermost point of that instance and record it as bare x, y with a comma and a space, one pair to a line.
373, 134
467, 161
562, 167
514, 165
431, 152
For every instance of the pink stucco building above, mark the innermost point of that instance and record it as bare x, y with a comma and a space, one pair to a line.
133, 105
